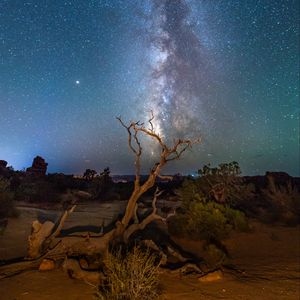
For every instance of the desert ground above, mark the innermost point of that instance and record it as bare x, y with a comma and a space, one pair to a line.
266, 262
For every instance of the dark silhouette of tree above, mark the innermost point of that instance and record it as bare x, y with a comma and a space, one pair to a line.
89, 174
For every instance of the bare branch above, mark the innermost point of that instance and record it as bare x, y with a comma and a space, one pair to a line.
167, 154
128, 128
138, 152
153, 216
165, 177
136, 219
150, 121
62, 221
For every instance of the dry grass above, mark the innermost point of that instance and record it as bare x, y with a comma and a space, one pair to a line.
131, 276
285, 201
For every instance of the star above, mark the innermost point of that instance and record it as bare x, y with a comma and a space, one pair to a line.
227, 73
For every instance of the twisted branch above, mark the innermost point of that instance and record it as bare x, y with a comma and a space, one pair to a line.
166, 154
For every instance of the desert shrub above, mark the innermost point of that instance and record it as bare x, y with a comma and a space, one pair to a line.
283, 202
38, 191
7, 207
62, 182
208, 221
100, 186
201, 217
190, 192
224, 183
130, 276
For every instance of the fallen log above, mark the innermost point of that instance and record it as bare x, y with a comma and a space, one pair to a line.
19, 267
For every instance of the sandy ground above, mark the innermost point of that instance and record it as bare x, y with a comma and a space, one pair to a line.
269, 257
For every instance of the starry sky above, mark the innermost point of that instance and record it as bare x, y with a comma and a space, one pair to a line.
225, 70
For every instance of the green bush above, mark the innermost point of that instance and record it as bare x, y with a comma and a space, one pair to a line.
130, 276
203, 215
207, 221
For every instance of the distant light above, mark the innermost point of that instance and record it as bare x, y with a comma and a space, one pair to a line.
77, 82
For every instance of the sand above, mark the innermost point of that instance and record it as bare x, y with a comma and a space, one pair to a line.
268, 258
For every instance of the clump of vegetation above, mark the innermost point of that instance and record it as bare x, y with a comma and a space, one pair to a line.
38, 191
7, 207
283, 202
208, 212
101, 186
207, 221
224, 184
89, 174
130, 276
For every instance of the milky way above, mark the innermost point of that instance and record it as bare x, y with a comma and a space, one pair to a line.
180, 70
227, 71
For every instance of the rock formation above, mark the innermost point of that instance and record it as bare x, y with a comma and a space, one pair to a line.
3, 164
39, 167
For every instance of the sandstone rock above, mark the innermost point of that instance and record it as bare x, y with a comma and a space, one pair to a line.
3, 164
3, 168
47, 265
213, 276
38, 168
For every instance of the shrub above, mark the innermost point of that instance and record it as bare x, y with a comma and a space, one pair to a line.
201, 216
130, 276
39, 191
7, 207
223, 183
207, 221
283, 202
100, 186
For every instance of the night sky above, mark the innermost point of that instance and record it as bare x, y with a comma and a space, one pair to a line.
227, 71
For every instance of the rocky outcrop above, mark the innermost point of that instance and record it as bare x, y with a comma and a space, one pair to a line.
39, 167
4, 170
3, 164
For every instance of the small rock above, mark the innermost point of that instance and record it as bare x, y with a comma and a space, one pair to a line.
83, 263
213, 276
47, 265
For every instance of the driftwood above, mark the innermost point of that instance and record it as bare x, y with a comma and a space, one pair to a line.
42, 235
16, 268
39, 233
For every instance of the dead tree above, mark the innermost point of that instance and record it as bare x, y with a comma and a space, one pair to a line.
45, 240
167, 154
